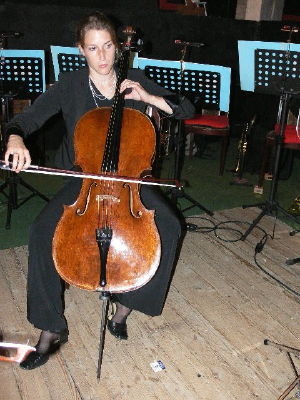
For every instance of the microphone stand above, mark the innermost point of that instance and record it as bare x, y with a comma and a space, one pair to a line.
176, 193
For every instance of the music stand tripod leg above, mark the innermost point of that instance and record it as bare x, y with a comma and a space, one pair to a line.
179, 192
288, 350
11, 182
12, 202
3, 187
267, 209
271, 205
33, 190
195, 204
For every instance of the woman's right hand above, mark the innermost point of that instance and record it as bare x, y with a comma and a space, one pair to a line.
20, 155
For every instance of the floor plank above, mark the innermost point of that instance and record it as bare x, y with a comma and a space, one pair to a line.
220, 308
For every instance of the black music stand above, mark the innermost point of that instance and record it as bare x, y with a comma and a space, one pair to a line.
182, 82
65, 59
21, 75
276, 71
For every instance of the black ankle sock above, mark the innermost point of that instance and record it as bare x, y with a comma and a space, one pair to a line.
121, 313
45, 341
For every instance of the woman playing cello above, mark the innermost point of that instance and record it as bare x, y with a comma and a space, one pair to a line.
74, 95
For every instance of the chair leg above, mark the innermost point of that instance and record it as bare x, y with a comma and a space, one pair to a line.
223, 153
190, 139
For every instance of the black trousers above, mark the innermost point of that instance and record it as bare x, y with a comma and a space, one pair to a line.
45, 292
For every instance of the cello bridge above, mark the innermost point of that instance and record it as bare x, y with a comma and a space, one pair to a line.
103, 197
99, 197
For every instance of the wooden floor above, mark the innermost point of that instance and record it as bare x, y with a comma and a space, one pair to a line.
210, 337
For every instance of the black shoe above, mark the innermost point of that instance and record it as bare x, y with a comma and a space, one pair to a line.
119, 330
36, 359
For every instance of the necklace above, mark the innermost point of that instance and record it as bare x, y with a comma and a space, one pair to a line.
99, 96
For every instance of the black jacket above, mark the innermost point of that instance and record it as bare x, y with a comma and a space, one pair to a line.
72, 97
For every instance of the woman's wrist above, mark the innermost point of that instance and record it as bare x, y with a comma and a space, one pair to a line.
160, 103
14, 131
14, 137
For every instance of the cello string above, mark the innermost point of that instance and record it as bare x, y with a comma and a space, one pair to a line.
114, 142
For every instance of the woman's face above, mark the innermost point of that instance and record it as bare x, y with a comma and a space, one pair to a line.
99, 51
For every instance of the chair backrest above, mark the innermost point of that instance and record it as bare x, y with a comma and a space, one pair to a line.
66, 59
209, 83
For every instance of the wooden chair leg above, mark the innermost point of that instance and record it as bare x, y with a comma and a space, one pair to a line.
191, 144
223, 153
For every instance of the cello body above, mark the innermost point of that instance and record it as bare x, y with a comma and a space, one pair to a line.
107, 240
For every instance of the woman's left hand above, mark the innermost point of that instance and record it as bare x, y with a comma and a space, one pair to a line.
134, 91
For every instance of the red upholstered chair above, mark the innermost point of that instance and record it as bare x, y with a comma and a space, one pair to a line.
208, 85
291, 141
210, 123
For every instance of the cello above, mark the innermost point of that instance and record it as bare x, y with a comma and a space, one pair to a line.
107, 241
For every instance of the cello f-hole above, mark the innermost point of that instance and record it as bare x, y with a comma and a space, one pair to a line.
80, 213
139, 213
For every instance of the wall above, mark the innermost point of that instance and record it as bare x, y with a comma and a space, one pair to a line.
44, 24
260, 10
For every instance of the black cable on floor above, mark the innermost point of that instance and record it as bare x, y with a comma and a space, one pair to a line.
191, 227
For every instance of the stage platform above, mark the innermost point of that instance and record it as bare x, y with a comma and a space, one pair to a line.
210, 337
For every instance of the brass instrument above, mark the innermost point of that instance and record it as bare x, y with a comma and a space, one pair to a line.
164, 136
242, 150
